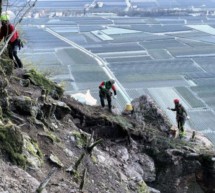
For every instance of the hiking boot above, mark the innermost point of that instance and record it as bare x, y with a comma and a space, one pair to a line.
182, 134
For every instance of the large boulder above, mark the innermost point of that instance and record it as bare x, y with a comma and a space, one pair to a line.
62, 109
22, 105
147, 112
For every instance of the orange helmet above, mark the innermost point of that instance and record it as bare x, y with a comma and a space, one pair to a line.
176, 101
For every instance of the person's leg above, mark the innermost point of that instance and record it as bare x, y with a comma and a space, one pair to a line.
18, 61
102, 100
179, 125
109, 102
182, 124
10, 53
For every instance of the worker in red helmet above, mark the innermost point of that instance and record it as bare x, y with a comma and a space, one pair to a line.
105, 92
181, 116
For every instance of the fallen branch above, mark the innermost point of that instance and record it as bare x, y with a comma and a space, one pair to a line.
83, 179
44, 183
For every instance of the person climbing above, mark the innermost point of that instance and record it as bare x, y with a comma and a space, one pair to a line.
181, 116
14, 43
105, 92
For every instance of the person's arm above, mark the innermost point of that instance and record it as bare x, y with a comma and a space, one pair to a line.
102, 86
172, 109
114, 89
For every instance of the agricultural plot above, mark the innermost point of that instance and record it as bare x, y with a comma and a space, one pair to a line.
126, 58
205, 81
206, 93
88, 28
81, 67
135, 37
203, 121
206, 39
70, 56
38, 39
207, 63
158, 28
42, 61
75, 37
66, 29
188, 34
193, 43
173, 21
123, 54
163, 44
117, 47
138, 81
193, 52
175, 66
190, 97
160, 54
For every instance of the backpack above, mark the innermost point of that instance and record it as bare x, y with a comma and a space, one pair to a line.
20, 43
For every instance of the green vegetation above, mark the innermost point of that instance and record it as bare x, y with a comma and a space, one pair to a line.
11, 143
6, 66
80, 138
52, 137
123, 122
142, 188
40, 80
34, 149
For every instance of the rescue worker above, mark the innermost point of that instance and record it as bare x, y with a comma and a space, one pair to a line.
105, 92
14, 43
181, 116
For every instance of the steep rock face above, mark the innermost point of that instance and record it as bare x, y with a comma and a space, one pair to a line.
94, 150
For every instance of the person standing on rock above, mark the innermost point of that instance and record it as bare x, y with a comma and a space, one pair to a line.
105, 92
14, 43
181, 116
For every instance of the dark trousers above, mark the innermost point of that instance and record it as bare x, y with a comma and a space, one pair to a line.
181, 122
12, 51
103, 96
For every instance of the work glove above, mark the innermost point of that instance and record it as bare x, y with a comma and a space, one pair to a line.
168, 108
115, 97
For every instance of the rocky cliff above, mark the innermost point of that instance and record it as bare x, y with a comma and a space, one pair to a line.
51, 143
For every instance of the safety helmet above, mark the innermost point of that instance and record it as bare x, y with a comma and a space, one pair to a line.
112, 81
5, 17
176, 101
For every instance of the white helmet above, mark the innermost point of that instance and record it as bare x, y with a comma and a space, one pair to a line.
112, 81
